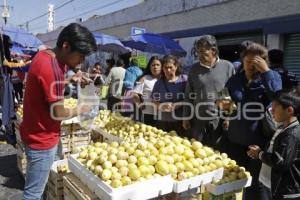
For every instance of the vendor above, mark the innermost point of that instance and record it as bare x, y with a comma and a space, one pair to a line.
44, 103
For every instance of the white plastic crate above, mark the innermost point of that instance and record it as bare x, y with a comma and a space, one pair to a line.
138, 191
73, 120
228, 187
196, 181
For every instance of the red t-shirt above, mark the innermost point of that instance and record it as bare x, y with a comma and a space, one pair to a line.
44, 86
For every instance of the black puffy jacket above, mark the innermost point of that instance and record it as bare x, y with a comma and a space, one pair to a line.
285, 164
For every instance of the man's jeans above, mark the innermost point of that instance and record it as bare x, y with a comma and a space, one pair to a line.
39, 163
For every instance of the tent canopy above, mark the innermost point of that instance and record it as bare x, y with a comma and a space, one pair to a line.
155, 43
109, 43
21, 37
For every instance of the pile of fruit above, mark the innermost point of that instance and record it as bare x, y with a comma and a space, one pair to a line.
70, 103
20, 111
63, 168
129, 162
104, 117
232, 172
125, 128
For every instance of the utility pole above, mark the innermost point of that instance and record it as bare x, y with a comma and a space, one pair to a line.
5, 11
50, 17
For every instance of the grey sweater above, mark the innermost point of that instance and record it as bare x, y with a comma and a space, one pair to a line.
204, 84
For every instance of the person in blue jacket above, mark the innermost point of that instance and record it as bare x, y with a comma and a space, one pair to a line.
133, 73
251, 91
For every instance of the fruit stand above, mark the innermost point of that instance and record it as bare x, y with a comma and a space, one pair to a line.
123, 159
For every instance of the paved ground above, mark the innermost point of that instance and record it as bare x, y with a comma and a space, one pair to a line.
11, 182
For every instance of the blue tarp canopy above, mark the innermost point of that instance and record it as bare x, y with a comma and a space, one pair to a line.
21, 37
154, 43
110, 43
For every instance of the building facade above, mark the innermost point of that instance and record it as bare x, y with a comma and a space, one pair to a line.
274, 23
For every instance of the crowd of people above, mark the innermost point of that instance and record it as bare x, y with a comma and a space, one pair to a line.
248, 110
193, 106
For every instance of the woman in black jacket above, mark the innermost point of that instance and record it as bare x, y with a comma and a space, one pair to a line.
280, 170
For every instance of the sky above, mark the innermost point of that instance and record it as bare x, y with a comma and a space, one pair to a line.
22, 11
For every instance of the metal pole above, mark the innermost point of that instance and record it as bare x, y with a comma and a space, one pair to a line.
5, 12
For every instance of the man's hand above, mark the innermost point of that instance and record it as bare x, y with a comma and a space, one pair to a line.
253, 151
81, 78
166, 107
186, 124
226, 124
224, 104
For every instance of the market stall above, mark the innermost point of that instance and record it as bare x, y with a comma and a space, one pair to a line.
132, 160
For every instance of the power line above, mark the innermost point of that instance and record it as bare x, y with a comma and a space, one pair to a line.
103, 6
42, 15
86, 12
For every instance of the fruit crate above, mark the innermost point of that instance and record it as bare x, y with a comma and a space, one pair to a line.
96, 137
73, 120
74, 189
18, 118
107, 137
22, 163
55, 181
17, 131
21, 159
138, 191
80, 138
228, 187
196, 181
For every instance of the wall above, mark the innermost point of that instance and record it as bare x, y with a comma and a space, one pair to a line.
172, 15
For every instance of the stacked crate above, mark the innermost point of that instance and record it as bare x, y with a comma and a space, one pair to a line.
79, 138
21, 157
65, 137
76, 190
55, 188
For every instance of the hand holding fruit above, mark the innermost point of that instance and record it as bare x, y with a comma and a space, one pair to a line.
253, 151
166, 107
224, 104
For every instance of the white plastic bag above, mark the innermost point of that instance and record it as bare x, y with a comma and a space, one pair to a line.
88, 96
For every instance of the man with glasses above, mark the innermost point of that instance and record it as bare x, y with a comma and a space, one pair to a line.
206, 79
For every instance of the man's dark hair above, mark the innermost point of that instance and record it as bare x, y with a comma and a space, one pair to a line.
97, 63
120, 63
134, 62
276, 58
79, 38
110, 62
287, 98
207, 42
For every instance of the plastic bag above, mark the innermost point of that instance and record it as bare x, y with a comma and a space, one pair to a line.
88, 96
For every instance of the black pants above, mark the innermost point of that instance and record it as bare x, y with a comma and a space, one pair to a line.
113, 103
149, 119
265, 193
18, 88
172, 126
207, 131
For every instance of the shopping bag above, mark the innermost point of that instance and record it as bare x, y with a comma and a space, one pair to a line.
103, 91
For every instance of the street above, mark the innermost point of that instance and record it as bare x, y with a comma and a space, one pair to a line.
11, 181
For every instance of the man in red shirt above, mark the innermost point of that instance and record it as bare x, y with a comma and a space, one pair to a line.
43, 104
